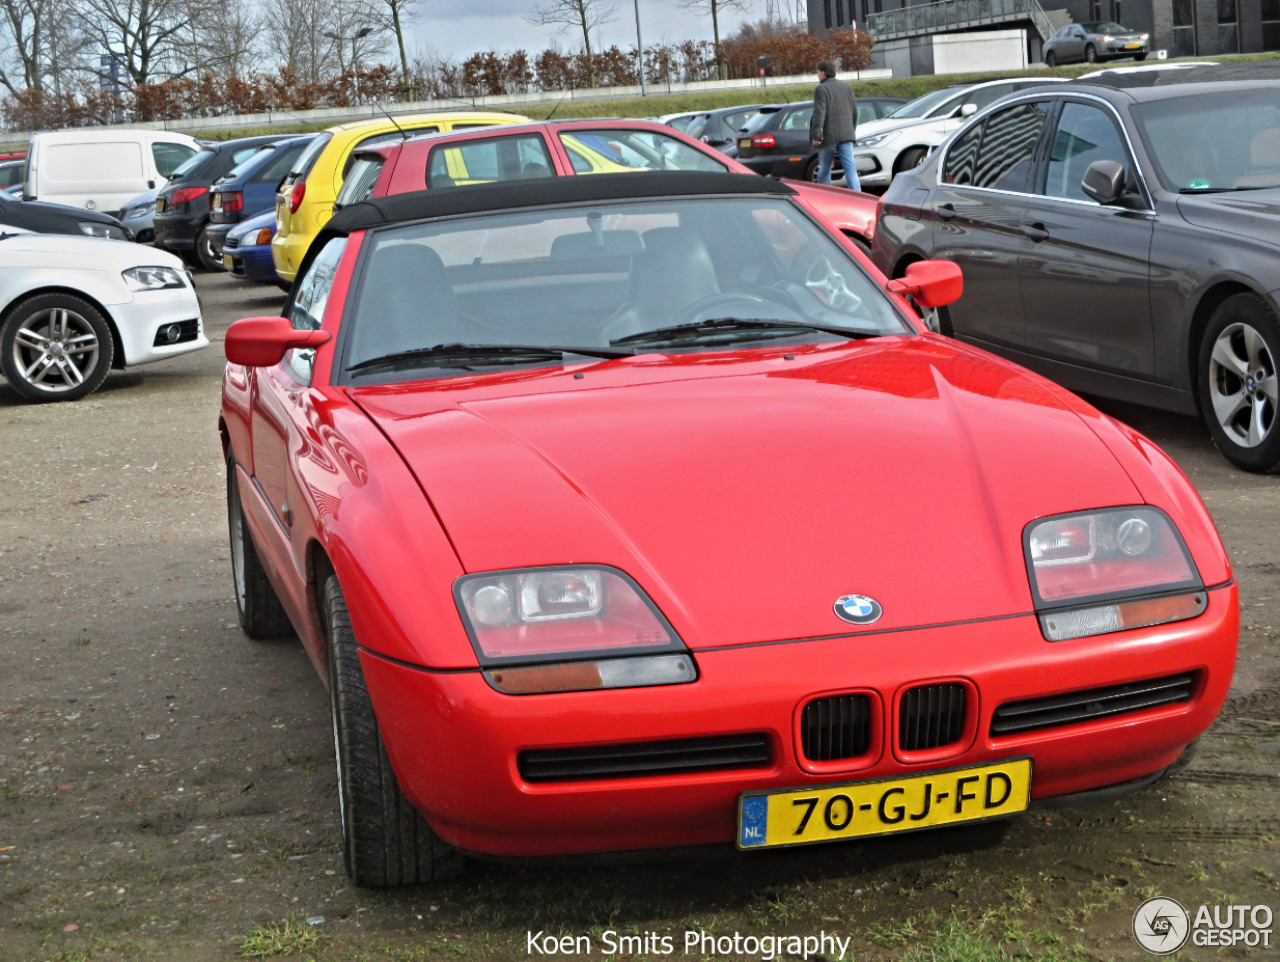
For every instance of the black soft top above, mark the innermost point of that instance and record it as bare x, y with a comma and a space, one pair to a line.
547, 191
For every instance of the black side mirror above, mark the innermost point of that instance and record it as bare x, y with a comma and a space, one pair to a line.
1104, 181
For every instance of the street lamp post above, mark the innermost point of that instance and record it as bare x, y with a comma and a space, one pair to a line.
640, 50
355, 63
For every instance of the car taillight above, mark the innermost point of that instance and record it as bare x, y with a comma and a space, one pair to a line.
760, 141
295, 196
185, 194
232, 203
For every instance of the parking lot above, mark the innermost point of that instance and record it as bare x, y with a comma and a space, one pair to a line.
166, 786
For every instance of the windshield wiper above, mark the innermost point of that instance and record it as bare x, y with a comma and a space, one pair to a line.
720, 326
479, 353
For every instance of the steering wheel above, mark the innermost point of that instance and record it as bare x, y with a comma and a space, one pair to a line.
815, 272
705, 304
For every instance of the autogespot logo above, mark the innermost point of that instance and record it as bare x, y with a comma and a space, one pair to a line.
1161, 925
858, 609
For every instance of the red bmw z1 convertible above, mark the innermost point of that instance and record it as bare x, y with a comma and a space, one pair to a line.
641, 512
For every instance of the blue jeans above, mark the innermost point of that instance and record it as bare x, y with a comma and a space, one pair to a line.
827, 154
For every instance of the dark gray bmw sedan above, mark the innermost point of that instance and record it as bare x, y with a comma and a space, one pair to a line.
1121, 236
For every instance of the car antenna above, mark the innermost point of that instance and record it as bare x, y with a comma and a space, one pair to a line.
557, 106
404, 134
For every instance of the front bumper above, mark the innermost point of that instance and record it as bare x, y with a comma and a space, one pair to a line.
140, 321
454, 742
875, 165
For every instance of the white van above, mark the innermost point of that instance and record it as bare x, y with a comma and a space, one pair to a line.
101, 169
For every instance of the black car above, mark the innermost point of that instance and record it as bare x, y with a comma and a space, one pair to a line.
42, 218
1094, 42
182, 207
719, 128
776, 141
1118, 235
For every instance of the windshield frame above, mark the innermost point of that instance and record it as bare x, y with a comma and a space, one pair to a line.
924, 106
342, 366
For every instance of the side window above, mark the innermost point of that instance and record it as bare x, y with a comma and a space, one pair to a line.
274, 170
306, 309
1085, 134
523, 157
798, 119
989, 95
244, 153
1009, 146
382, 139
169, 156
866, 113
360, 182
961, 157
620, 151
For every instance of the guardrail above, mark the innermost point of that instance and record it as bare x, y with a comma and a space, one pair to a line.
927, 18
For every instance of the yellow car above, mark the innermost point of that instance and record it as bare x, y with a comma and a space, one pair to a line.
306, 196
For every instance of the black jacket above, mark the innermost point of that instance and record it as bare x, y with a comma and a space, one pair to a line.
835, 113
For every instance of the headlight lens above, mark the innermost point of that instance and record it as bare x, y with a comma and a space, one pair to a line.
591, 614
875, 140
95, 229
1095, 572
152, 278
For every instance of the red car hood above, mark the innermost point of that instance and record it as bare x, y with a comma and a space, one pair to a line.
747, 492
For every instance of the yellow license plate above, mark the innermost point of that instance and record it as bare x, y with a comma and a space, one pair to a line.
883, 805
744, 143
159, 205
217, 202
1132, 46
228, 261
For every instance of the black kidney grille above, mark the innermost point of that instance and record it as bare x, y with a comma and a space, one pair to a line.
1079, 706
836, 727
931, 716
637, 759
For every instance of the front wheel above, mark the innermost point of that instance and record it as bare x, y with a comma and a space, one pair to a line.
811, 170
1051, 59
1090, 54
205, 253
910, 159
1239, 392
1139, 56
385, 840
56, 347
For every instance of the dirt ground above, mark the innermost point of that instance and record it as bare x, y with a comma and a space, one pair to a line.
166, 786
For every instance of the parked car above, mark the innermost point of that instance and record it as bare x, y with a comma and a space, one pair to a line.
1119, 236
679, 121
183, 206
776, 141
305, 199
1094, 42
74, 308
138, 216
250, 188
41, 218
567, 148
12, 173
899, 142
101, 169
719, 128
246, 250
614, 427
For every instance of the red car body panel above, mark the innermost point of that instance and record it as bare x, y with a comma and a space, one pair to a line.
683, 471
405, 166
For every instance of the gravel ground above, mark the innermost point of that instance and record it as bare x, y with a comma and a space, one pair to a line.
166, 788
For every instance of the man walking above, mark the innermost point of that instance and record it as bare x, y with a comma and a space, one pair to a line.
834, 126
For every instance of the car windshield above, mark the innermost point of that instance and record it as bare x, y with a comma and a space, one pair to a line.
549, 287
306, 160
1108, 29
923, 106
1214, 141
760, 120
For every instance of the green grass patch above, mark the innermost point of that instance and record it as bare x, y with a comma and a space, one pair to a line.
277, 938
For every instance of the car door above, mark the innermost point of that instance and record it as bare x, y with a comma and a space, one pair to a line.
793, 133
975, 212
277, 415
1085, 267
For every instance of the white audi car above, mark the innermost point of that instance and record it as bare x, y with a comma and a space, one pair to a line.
904, 138
74, 308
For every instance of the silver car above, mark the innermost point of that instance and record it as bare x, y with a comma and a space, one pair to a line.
139, 216
1095, 41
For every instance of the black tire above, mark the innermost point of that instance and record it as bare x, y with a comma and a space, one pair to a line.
860, 243
205, 253
385, 841
811, 170
56, 347
910, 159
1139, 56
1090, 54
1051, 59
261, 614
1237, 382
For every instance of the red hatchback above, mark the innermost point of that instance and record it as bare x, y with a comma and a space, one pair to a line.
564, 148
637, 512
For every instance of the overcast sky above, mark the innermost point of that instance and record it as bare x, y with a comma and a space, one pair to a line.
458, 28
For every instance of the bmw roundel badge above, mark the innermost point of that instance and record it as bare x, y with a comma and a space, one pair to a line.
858, 609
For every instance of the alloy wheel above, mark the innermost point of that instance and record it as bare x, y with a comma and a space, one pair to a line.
55, 350
1243, 387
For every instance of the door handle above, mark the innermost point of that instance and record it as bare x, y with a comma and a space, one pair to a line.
946, 212
1035, 231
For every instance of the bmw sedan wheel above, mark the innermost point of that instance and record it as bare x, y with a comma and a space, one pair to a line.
385, 841
1238, 385
257, 604
56, 347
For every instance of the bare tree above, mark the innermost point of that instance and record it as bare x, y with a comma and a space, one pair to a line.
714, 7
224, 36
584, 15
393, 16
37, 35
295, 30
150, 38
